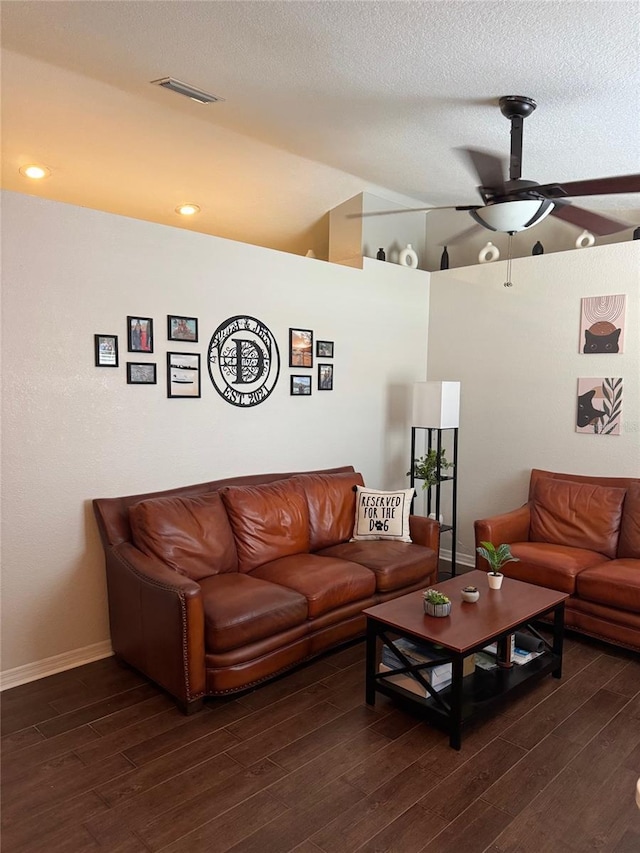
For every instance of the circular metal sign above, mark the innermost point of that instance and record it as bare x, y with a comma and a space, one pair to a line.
244, 361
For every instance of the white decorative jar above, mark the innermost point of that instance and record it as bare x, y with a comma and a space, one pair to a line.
470, 594
585, 240
489, 253
408, 257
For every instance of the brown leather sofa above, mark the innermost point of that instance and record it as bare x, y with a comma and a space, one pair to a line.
216, 587
579, 535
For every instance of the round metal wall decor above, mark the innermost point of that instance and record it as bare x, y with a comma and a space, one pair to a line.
244, 361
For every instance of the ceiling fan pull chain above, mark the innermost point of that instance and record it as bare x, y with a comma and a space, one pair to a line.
508, 282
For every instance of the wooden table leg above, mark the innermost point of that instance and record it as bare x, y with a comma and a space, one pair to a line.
558, 637
455, 734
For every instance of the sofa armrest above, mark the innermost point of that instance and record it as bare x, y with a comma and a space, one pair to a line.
506, 528
425, 531
157, 622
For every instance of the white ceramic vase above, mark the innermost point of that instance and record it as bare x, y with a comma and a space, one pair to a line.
408, 257
585, 240
489, 253
495, 581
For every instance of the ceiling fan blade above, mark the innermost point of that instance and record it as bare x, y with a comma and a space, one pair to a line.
594, 186
462, 236
489, 167
587, 219
412, 210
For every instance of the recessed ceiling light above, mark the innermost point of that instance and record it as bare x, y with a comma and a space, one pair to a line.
187, 209
188, 91
35, 172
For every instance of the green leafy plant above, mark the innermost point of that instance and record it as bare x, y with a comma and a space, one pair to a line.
496, 557
435, 597
426, 467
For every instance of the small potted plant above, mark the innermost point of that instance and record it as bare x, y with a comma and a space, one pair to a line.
436, 603
470, 594
427, 467
496, 557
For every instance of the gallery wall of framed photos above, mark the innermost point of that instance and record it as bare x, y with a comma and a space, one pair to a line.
239, 360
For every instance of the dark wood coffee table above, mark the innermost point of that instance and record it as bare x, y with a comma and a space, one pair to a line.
468, 629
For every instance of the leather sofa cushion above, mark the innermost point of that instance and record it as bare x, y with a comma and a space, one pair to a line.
580, 515
239, 610
629, 544
554, 566
325, 582
394, 564
268, 521
616, 583
331, 499
192, 535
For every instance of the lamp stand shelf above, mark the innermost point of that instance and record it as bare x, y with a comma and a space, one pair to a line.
434, 442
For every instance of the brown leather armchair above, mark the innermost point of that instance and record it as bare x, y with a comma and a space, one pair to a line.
580, 535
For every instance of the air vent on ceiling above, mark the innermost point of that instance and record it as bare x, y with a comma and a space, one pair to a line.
186, 90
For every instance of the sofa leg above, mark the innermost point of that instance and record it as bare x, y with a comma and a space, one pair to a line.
190, 706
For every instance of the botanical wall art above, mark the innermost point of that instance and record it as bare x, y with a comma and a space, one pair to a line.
183, 374
140, 334
602, 324
300, 348
244, 361
599, 406
106, 350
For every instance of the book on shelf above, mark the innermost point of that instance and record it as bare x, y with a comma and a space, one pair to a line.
407, 682
419, 654
521, 656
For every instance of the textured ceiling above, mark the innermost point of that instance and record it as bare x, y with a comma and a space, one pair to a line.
323, 100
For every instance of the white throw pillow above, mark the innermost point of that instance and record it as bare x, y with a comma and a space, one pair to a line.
382, 515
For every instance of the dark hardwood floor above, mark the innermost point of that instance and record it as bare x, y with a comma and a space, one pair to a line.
97, 759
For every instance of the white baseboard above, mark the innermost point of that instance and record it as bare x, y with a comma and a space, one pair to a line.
461, 559
58, 663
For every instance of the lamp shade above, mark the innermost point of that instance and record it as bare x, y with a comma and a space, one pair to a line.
436, 404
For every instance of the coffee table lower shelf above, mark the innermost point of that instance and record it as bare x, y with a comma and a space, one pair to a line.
482, 691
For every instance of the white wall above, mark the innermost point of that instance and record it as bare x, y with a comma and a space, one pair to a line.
515, 352
72, 432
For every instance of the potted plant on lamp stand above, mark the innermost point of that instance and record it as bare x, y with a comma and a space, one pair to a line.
496, 557
428, 468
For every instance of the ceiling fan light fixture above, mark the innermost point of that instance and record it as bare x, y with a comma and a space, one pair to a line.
512, 216
188, 91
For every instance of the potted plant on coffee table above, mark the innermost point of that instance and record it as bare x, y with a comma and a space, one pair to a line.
496, 557
436, 603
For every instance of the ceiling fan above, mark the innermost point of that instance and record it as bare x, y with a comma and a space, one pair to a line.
516, 204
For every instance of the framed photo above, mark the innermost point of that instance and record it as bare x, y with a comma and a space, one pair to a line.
140, 334
106, 350
324, 349
182, 328
325, 377
300, 348
300, 386
141, 373
183, 374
